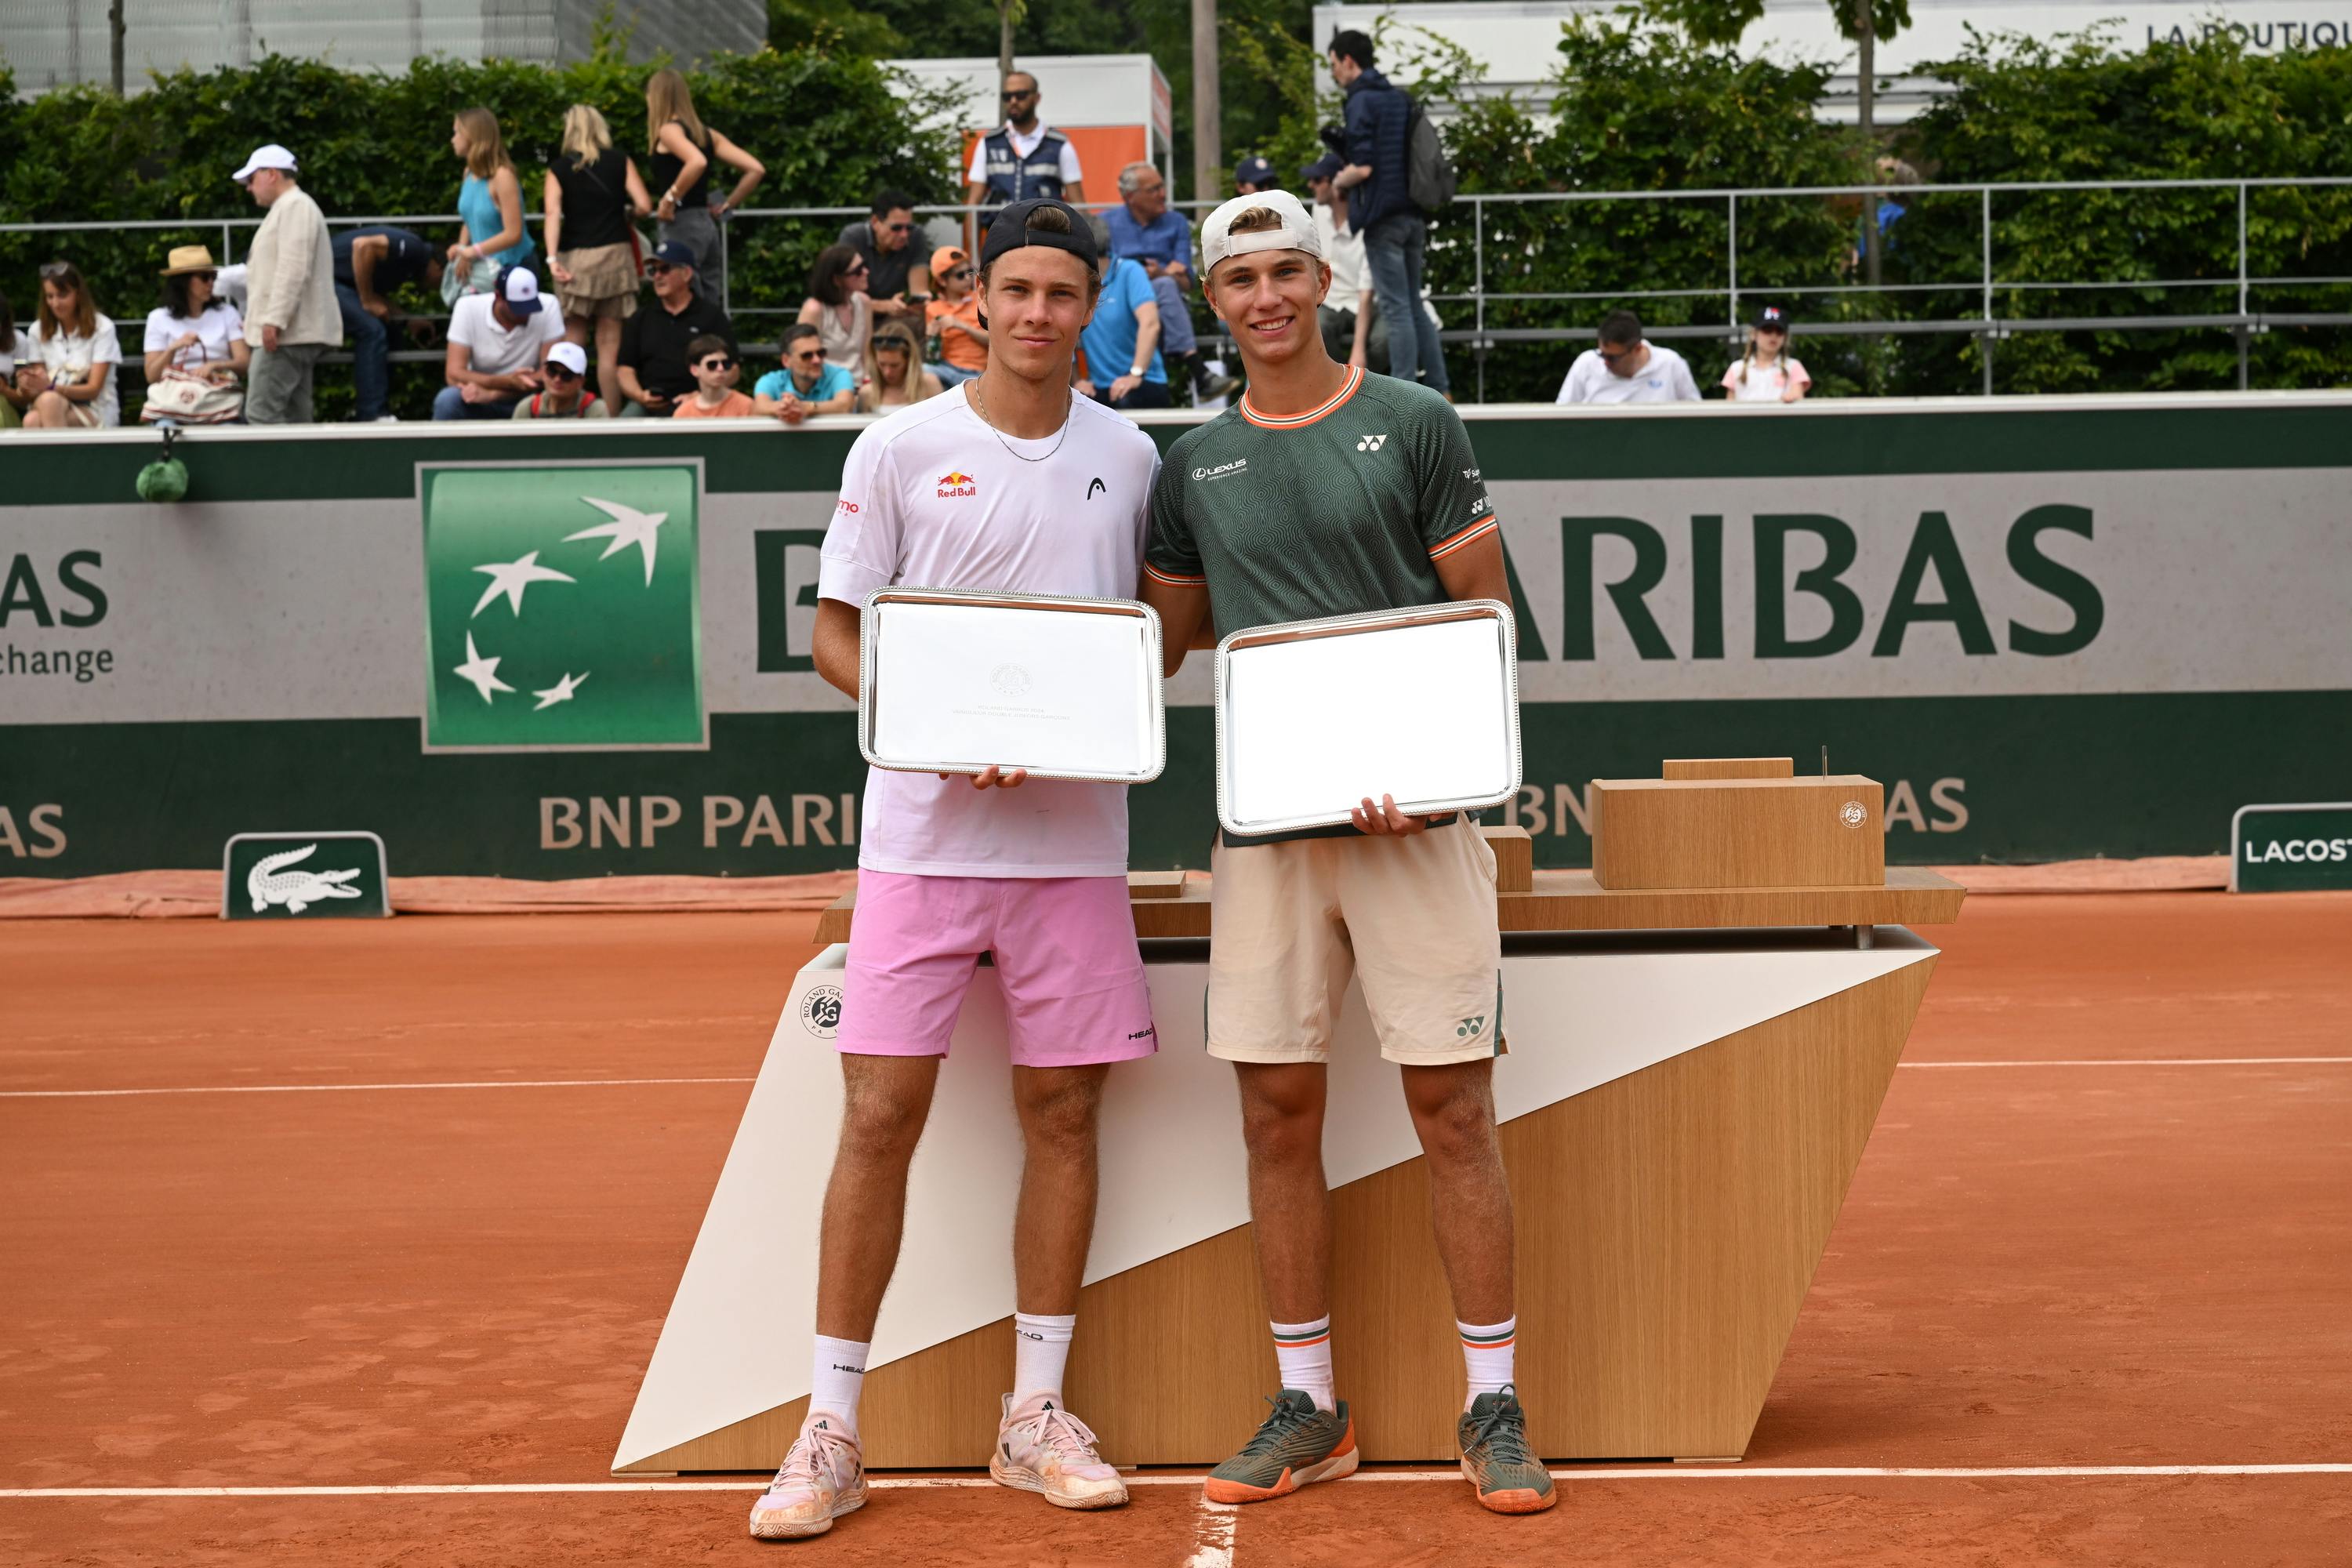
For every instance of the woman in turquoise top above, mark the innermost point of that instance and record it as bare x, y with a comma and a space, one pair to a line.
491, 200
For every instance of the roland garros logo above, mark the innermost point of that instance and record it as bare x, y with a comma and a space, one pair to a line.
821, 1011
1853, 813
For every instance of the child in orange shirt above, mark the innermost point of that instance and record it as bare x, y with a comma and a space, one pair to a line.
713, 364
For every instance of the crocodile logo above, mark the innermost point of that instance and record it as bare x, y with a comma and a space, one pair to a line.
270, 883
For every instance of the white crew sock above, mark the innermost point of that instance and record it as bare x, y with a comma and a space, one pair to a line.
1303, 1351
838, 1377
1041, 1350
1486, 1352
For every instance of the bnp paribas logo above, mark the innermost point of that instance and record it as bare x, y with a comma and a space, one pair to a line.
561, 607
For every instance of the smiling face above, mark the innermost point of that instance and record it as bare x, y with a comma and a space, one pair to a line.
1038, 300
1268, 298
857, 278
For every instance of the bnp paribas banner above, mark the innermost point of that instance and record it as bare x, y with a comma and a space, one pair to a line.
2051, 627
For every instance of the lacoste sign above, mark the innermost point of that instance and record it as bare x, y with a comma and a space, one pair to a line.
2291, 849
306, 876
561, 607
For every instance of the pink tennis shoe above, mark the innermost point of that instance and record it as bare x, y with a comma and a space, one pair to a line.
1042, 1447
823, 1478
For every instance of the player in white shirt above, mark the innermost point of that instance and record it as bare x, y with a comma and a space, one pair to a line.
1006, 483
1626, 368
1765, 373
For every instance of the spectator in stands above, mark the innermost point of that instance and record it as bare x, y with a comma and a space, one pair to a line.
370, 263
195, 332
838, 306
70, 380
1353, 332
682, 148
1627, 369
1022, 158
894, 265
1143, 230
496, 341
10, 418
654, 369
808, 385
491, 235
895, 375
1765, 373
954, 318
291, 318
1252, 176
564, 387
592, 193
712, 360
1380, 209
1121, 339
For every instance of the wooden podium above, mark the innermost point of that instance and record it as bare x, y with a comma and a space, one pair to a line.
1692, 1076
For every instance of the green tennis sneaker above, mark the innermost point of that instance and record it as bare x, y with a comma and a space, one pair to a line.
1297, 1446
1494, 1460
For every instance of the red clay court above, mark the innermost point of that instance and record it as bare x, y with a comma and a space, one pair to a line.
398, 1208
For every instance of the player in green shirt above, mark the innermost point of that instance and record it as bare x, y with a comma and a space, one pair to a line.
1326, 491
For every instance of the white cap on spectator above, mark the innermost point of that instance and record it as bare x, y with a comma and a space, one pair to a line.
1296, 231
273, 156
569, 355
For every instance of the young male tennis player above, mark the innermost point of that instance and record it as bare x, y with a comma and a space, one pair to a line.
1006, 483
1326, 491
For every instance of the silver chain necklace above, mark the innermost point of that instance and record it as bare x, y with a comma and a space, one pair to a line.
981, 408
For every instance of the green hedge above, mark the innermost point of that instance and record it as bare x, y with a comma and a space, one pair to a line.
832, 129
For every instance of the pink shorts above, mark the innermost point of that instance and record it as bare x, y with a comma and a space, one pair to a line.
1065, 959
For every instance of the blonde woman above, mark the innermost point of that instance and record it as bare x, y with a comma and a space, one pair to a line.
68, 382
681, 149
1765, 373
489, 201
591, 195
895, 375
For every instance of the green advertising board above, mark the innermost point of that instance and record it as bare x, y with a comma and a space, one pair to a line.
2291, 849
304, 876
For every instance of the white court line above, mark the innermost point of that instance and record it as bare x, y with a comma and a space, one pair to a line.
1213, 1535
627, 1082
349, 1087
1161, 1479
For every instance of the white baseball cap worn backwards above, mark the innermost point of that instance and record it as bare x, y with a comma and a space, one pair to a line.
1296, 232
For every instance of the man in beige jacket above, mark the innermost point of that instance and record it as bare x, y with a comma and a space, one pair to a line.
290, 317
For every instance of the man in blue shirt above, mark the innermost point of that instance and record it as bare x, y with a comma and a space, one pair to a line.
1143, 230
370, 263
1381, 208
1123, 338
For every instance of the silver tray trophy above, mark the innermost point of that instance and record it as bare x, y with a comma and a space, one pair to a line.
954, 681
1312, 716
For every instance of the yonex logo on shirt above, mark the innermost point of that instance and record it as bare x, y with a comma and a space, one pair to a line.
1372, 443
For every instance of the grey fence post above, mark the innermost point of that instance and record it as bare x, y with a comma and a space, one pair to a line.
1986, 192
1731, 257
227, 256
2245, 334
1478, 248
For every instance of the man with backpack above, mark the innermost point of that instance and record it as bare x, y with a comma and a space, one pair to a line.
1395, 170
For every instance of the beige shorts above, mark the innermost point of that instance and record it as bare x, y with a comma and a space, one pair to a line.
1412, 918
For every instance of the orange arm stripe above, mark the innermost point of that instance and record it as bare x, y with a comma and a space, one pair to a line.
1172, 577
1303, 1345
1489, 1344
1485, 524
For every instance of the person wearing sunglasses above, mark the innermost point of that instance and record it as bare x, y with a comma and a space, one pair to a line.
952, 320
808, 384
839, 307
563, 391
715, 374
496, 343
1022, 160
895, 274
1627, 368
195, 330
656, 371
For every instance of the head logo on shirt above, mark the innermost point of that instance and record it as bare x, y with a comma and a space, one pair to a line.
956, 483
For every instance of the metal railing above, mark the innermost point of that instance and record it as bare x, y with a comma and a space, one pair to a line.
1483, 336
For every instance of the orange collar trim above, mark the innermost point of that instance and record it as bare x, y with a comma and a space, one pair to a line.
1298, 421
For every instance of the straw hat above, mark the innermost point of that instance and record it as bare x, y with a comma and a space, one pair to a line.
190, 258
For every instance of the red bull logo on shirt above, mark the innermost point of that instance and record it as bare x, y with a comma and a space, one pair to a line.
957, 483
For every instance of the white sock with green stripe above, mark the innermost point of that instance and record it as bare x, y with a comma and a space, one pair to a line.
1041, 1353
1303, 1351
1486, 1352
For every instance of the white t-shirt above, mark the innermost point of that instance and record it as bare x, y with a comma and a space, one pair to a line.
1762, 384
1344, 250
69, 358
496, 350
1022, 145
1021, 527
216, 330
1666, 378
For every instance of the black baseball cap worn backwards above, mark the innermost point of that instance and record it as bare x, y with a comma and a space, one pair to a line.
1009, 230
